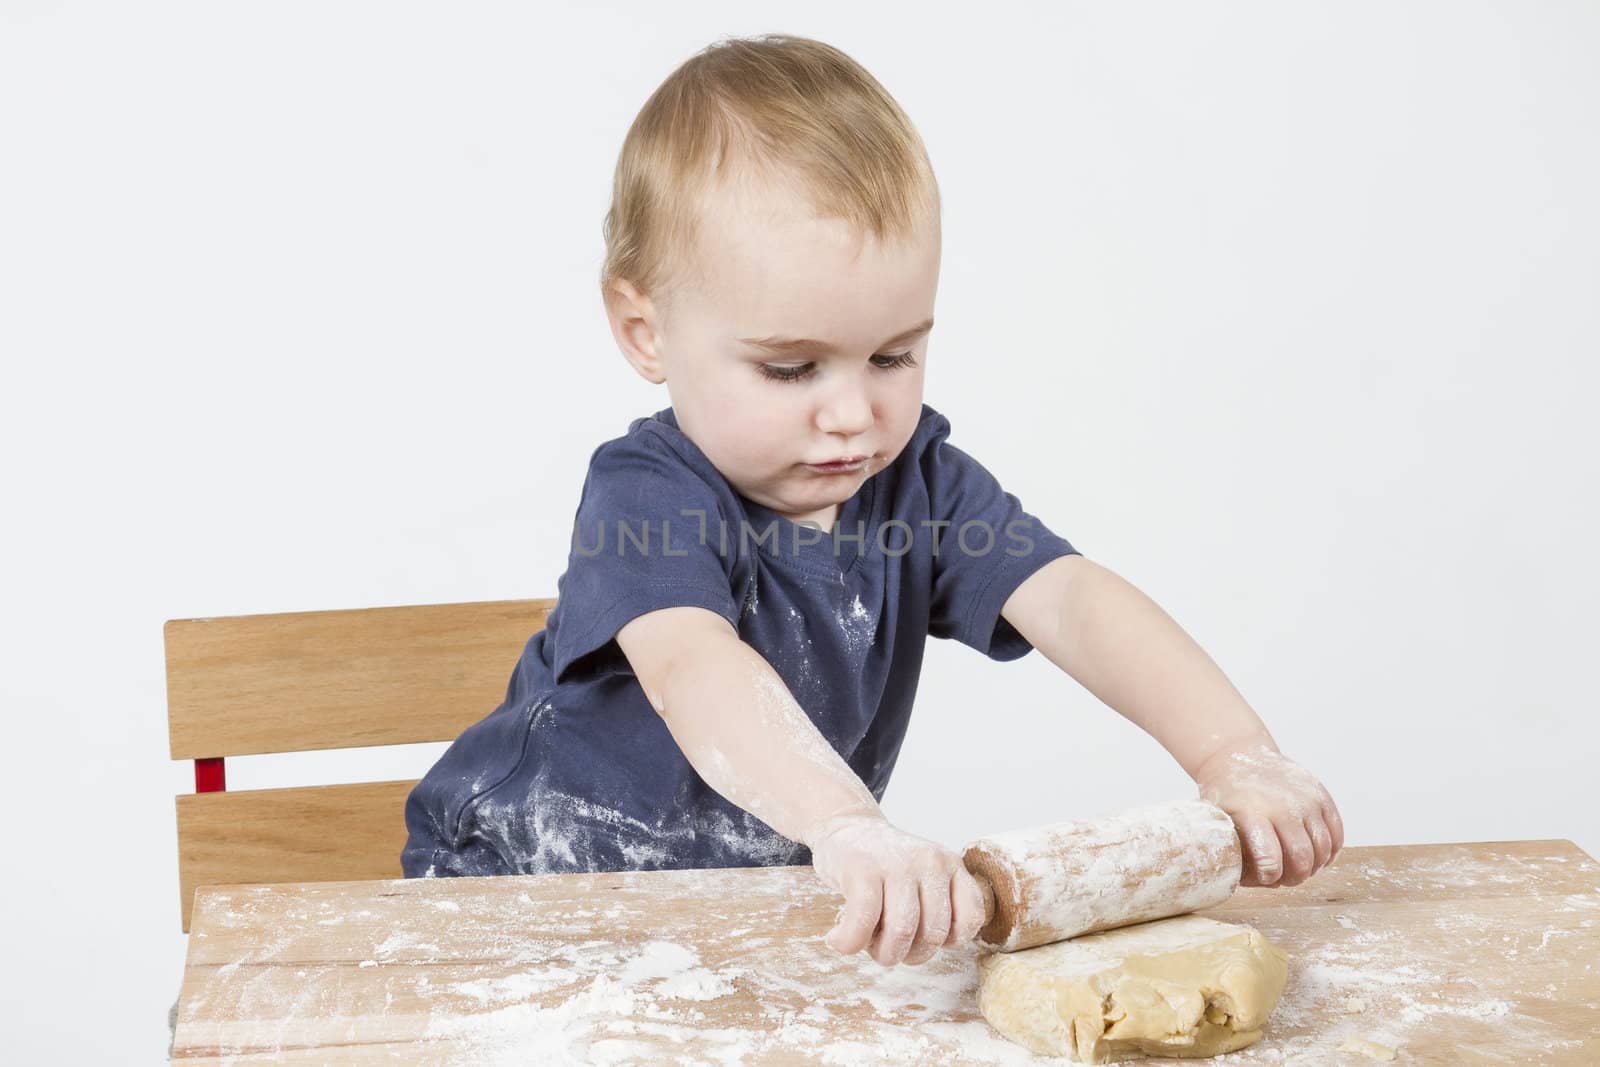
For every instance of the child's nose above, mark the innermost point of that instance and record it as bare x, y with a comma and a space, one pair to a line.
847, 409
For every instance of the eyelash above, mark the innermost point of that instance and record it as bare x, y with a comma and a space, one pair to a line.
803, 371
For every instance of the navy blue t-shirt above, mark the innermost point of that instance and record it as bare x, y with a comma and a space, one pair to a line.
575, 771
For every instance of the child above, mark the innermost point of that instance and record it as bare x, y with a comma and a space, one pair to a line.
729, 670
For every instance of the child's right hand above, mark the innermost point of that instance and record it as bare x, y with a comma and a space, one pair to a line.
914, 893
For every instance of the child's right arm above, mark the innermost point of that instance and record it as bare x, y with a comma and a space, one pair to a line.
743, 732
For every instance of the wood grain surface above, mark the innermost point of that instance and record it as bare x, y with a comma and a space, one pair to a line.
304, 680
1451, 954
316, 833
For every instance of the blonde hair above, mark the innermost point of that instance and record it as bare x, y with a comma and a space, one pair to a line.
789, 107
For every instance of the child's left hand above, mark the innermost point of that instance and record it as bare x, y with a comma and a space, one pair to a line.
1287, 822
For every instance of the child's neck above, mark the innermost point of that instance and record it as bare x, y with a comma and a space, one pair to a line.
824, 518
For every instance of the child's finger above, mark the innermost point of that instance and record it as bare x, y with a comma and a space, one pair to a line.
933, 894
1263, 855
898, 927
863, 906
966, 908
1330, 815
1321, 840
1299, 859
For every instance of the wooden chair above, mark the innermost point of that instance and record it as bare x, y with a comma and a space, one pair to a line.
300, 681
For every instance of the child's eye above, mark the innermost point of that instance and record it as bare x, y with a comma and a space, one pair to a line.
903, 359
784, 374
800, 371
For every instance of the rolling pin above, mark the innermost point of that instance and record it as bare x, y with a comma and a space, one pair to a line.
1055, 882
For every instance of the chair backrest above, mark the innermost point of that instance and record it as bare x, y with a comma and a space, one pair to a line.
294, 682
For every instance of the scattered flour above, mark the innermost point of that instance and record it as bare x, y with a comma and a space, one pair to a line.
606, 976
856, 626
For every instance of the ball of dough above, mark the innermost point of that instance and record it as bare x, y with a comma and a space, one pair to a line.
1185, 986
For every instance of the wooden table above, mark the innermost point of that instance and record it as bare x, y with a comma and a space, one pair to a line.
1453, 954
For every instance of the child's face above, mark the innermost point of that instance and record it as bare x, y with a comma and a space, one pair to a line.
769, 270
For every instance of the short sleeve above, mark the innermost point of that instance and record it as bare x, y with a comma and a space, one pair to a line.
640, 542
990, 546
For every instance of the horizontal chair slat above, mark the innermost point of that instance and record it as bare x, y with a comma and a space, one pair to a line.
299, 681
325, 833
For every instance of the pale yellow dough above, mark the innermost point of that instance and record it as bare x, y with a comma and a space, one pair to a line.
1186, 986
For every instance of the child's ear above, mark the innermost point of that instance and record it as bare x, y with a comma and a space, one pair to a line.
635, 323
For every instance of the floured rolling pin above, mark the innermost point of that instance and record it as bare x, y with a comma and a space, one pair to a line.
1056, 882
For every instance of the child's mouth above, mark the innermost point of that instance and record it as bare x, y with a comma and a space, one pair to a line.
843, 466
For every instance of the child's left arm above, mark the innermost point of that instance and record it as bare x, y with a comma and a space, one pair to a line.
1123, 648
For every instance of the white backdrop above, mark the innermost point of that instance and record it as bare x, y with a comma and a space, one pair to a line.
1286, 313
